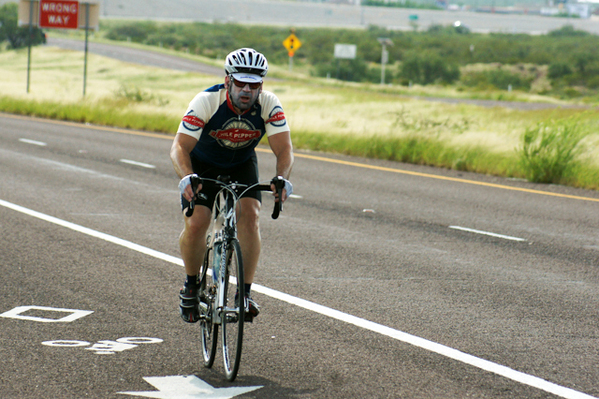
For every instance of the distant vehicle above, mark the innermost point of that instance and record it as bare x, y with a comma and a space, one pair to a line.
460, 27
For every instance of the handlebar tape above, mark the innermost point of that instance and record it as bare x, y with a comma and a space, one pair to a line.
279, 184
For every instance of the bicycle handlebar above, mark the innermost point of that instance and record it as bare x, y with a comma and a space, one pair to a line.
195, 182
278, 182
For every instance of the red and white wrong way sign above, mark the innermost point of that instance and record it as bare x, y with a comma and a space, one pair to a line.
59, 14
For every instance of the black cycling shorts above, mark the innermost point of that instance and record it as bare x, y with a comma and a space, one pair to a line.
245, 173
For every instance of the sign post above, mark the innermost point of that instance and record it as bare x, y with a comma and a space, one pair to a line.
89, 20
344, 51
384, 41
58, 14
29, 44
85, 57
292, 43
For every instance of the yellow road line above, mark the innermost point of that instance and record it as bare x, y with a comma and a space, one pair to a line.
330, 160
454, 179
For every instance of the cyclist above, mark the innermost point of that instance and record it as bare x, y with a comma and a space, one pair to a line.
217, 136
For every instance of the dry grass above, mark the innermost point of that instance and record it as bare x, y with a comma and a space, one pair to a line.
312, 106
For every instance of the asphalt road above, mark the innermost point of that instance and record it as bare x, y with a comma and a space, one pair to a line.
137, 56
370, 284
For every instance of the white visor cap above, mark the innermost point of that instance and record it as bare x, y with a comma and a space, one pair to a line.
247, 77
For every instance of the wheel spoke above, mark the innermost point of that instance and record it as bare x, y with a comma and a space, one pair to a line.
208, 330
233, 312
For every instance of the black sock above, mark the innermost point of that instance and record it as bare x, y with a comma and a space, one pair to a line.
248, 287
192, 281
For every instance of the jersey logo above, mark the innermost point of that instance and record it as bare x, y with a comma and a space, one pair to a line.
192, 122
236, 134
276, 117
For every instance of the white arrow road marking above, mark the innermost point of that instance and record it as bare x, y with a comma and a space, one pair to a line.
431, 346
187, 387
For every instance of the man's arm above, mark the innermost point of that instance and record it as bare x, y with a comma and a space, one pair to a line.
182, 146
281, 146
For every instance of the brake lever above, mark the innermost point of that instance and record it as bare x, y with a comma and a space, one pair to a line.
195, 182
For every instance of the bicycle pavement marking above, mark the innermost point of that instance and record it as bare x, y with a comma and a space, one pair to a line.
422, 343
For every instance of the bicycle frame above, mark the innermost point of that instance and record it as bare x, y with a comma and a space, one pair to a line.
224, 229
219, 304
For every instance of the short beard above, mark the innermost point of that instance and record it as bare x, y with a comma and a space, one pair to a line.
238, 104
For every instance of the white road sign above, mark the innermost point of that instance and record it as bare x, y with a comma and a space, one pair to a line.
347, 51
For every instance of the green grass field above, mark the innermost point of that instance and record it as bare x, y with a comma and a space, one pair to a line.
324, 115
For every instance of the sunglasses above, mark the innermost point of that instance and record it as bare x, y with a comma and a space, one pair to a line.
253, 86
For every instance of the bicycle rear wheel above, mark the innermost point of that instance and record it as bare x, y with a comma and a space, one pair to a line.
234, 312
208, 329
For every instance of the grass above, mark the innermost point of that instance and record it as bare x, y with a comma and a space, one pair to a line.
550, 150
324, 115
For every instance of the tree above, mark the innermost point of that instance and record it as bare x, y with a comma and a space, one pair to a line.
10, 31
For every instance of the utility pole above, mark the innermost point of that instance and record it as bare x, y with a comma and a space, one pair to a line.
86, 47
29, 43
384, 41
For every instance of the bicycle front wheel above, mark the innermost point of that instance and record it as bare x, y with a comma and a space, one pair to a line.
208, 329
234, 311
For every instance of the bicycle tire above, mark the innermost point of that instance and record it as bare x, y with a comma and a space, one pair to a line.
208, 329
233, 315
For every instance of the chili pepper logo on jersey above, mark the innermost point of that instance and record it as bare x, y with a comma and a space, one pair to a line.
277, 117
236, 134
192, 122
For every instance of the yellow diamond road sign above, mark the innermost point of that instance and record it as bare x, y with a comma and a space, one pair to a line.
292, 43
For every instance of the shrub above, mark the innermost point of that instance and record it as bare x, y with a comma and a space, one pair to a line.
568, 31
558, 69
135, 31
428, 68
349, 70
549, 150
497, 78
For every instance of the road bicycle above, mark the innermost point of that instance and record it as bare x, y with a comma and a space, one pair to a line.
222, 289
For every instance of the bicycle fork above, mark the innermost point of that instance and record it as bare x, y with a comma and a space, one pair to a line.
219, 309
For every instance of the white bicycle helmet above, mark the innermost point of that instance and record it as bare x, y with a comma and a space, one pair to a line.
246, 61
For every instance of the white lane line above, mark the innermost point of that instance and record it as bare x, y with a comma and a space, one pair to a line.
143, 165
431, 346
94, 233
34, 142
487, 233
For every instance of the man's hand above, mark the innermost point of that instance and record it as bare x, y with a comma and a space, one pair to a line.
280, 182
186, 187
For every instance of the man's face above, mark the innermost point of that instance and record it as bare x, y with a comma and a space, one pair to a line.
241, 94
